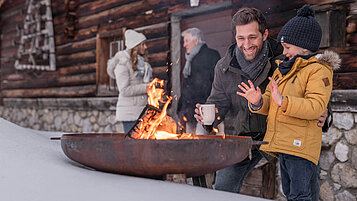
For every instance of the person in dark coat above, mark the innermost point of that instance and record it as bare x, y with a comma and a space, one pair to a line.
198, 77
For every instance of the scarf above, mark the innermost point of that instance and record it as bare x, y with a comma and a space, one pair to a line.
286, 65
143, 69
189, 56
253, 69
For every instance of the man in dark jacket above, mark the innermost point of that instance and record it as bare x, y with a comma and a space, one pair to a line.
252, 57
198, 77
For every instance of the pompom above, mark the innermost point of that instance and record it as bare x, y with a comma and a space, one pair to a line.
306, 11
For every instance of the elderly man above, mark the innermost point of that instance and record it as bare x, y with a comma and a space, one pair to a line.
252, 57
198, 77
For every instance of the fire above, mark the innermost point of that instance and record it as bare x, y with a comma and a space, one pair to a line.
154, 93
215, 130
184, 118
155, 123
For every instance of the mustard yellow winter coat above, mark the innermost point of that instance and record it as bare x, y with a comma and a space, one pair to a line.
306, 89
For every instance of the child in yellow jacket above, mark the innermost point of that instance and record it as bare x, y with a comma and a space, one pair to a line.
298, 93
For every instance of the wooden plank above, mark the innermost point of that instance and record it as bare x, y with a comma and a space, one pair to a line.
8, 51
99, 6
7, 44
82, 34
158, 59
178, 6
113, 14
221, 20
10, 4
352, 39
349, 63
12, 35
50, 81
158, 45
269, 180
17, 19
78, 69
156, 32
75, 47
66, 71
252, 183
345, 81
161, 70
11, 12
279, 19
136, 21
76, 91
76, 58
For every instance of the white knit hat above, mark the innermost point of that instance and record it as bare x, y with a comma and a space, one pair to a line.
133, 38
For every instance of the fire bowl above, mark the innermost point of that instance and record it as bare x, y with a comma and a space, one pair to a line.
116, 153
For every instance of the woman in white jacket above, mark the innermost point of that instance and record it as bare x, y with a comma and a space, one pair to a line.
132, 73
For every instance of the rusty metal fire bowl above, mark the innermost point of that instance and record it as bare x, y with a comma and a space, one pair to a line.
117, 153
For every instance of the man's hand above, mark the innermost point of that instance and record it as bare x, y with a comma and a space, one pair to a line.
198, 115
322, 119
250, 93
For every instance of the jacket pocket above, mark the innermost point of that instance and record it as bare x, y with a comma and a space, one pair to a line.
291, 132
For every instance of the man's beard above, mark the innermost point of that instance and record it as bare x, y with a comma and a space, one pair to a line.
256, 53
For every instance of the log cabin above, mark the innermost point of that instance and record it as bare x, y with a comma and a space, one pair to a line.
53, 56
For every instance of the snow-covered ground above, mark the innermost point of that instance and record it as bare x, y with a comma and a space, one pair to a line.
34, 168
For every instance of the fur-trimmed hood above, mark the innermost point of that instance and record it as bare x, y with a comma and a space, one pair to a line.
330, 58
121, 57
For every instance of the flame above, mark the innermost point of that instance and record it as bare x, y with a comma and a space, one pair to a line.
184, 118
156, 124
215, 130
154, 93
218, 118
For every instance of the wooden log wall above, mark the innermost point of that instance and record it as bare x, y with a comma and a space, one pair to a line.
278, 12
75, 75
76, 57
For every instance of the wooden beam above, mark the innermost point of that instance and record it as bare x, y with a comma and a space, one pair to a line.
158, 45
75, 47
76, 91
48, 82
135, 21
76, 58
345, 81
158, 59
161, 70
177, 6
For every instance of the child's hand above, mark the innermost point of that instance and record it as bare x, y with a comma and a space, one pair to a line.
275, 93
252, 95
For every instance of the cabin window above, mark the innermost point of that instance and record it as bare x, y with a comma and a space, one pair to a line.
114, 47
333, 23
108, 44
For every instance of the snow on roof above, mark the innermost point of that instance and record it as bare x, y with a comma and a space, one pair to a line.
34, 168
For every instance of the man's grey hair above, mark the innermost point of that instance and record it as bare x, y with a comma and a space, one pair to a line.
195, 33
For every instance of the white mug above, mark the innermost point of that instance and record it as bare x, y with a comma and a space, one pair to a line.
208, 113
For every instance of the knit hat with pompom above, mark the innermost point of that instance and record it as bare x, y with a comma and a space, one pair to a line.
302, 30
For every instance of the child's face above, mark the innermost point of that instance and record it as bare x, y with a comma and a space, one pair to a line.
291, 50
